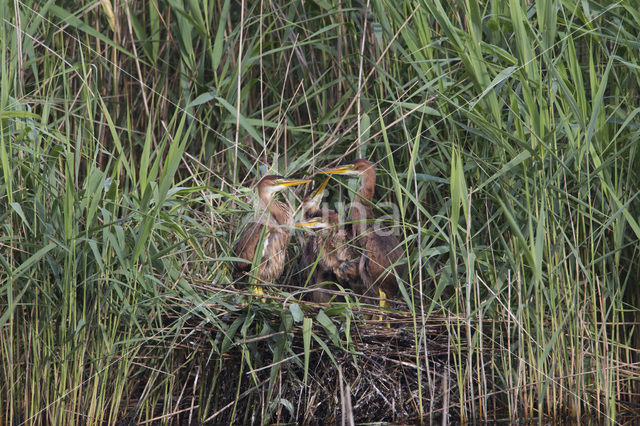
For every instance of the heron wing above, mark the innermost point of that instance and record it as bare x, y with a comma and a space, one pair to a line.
246, 245
380, 253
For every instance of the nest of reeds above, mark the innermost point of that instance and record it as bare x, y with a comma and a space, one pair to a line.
392, 366
243, 360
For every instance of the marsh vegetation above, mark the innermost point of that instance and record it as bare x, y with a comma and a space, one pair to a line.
505, 136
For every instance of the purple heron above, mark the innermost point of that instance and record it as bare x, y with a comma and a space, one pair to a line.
381, 251
272, 227
327, 251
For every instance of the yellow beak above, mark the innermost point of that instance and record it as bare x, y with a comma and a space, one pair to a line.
340, 170
291, 182
308, 223
318, 190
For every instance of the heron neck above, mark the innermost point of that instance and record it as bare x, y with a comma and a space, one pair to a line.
362, 210
368, 184
278, 211
309, 210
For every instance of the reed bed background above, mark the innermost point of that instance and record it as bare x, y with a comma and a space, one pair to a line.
505, 134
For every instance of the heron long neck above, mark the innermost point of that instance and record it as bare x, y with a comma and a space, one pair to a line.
309, 209
280, 212
361, 206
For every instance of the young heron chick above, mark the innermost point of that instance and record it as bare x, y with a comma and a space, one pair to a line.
309, 253
271, 227
329, 250
381, 251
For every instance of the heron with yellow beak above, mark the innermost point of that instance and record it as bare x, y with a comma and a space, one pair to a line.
272, 228
327, 252
382, 255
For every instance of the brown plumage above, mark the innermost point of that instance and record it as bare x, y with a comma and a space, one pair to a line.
380, 248
308, 255
327, 251
272, 225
